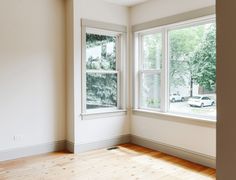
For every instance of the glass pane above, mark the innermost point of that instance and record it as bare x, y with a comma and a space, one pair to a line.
192, 73
101, 90
152, 47
100, 52
150, 91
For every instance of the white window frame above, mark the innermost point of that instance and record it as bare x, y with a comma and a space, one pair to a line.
164, 106
101, 28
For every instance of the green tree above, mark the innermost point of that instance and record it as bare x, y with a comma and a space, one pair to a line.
204, 61
192, 57
182, 43
101, 88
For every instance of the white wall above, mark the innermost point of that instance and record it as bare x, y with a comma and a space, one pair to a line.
196, 138
188, 136
87, 131
156, 9
32, 72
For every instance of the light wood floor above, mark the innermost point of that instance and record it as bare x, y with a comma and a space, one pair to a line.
129, 162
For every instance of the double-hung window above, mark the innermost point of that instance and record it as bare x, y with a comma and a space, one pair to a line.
103, 54
150, 71
176, 70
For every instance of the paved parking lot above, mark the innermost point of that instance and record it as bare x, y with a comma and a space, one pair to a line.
183, 107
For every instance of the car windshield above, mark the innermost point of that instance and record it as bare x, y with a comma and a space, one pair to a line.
196, 97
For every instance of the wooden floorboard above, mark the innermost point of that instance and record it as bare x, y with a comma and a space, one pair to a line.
128, 162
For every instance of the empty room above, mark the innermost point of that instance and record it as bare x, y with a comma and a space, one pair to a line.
117, 89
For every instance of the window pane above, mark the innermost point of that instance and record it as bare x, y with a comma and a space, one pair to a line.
150, 91
152, 51
101, 90
192, 73
100, 52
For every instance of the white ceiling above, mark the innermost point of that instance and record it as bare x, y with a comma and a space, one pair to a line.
126, 2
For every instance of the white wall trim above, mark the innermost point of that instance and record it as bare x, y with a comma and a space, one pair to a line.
106, 114
207, 11
103, 25
175, 117
20, 152
79, 148
189, 155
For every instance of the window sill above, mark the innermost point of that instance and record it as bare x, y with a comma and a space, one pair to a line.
176, 117
103, 114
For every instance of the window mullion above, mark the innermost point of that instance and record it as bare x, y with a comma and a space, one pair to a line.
140, 66
164, 74
119, 70
83, 69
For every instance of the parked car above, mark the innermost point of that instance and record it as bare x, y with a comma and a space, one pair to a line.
176, 97
201, 101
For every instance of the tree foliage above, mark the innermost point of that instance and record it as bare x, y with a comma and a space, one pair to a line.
182, 43
152, 46
204, 61
101, 87
192, 57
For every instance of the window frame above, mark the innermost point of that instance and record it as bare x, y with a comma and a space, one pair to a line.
101, 28
165, 91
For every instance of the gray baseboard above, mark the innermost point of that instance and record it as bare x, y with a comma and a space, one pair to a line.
32, 150
199, 158
69, 146
79, 148
20, 152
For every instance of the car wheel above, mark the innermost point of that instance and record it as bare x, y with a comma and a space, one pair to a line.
182, 99
202, 105
212, 103
173, 100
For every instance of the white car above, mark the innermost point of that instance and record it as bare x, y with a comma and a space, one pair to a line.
201, 101
176, 97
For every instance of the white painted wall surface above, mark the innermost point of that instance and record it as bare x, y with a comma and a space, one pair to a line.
32, 72
87, 131
188, 136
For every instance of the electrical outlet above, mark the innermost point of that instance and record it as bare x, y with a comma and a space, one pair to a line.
18, 137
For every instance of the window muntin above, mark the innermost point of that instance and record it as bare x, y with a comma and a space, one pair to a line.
171, 75
102, 70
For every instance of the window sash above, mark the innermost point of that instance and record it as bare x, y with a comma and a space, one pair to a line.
142, 70
120, 50
141, 74
118, 102
141, 48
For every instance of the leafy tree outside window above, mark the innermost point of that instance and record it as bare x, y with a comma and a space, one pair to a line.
101, 73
